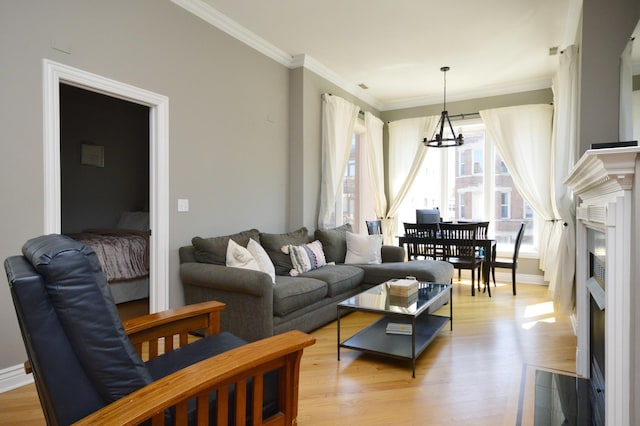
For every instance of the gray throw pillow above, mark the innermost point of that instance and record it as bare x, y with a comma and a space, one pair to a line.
334, 242
214, 250
273, 244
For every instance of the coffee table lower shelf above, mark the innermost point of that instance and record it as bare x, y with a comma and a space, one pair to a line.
374, 339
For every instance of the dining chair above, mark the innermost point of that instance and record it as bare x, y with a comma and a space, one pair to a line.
422, 249
459, 245
374, 227
498, 262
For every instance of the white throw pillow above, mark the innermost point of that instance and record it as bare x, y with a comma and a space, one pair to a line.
262, 258
363, 248
240, 257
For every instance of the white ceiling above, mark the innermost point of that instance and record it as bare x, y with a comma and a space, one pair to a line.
396, 48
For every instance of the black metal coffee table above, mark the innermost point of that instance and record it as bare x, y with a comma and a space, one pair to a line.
408, 311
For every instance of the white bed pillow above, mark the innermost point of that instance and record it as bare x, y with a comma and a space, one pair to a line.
363, 249
240, 257
262, 259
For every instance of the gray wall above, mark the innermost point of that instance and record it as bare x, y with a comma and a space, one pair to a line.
229, 109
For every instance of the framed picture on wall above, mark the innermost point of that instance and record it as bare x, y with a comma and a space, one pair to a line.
92, 155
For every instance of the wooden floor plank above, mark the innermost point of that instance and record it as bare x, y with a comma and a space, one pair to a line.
469, 376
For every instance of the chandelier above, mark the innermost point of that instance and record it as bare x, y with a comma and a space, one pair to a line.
439, 140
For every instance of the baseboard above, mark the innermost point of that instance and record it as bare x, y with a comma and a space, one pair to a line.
14, 377
505, 277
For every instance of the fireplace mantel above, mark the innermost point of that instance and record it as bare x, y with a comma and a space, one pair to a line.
602, 180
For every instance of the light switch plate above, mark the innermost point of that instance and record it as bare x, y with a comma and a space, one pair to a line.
183, 205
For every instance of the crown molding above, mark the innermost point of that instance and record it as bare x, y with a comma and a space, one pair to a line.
212, 16
312, 64
481, 92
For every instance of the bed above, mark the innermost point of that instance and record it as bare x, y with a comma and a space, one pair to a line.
124, 255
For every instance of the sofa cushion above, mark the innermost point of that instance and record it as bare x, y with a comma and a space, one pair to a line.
240, 257
262, 258
339, 278
436, 271
293, 293
273, 244
305, 257
334, 242
214, 249
363, 248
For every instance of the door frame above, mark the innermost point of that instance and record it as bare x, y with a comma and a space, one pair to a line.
55, 73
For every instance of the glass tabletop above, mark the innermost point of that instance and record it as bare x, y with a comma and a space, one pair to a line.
378, 299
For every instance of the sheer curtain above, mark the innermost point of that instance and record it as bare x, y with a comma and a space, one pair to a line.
523, 137
375, 161
338, 120
559, 263
406, 153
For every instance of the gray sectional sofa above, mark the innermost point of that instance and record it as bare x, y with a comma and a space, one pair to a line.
257, 307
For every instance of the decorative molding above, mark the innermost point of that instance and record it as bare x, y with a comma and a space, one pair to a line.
212, 16
14, 377
55, 73
602, 180
480, 92
602, 173
209, 14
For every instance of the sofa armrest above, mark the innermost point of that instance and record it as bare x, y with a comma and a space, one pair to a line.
248, 296
392, 254
195, 382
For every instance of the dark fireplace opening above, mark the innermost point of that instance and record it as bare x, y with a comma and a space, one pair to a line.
597, 290
596, 348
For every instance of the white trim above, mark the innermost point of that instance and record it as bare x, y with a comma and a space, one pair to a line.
56, 73
209, 14
603, 180
14, 377
479, 92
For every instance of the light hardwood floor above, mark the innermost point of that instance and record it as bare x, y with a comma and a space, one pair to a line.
470, 376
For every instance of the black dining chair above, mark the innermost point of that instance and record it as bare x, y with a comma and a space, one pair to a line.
420, 247
459, 245
374, 227
497, 262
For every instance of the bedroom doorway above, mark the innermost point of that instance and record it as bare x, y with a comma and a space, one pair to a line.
56, 74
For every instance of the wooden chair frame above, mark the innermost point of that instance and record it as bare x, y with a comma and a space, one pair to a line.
165, 331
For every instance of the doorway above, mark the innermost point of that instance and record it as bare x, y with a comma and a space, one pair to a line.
56, 74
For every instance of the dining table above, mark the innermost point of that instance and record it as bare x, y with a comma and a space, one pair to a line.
486, 248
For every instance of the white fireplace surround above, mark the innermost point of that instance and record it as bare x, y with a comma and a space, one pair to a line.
603, 182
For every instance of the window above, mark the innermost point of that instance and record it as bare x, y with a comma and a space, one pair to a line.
461, 162
478, 161
504, 207
485, 192
355, 203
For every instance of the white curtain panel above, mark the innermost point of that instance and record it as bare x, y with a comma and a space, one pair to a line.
338, 120
523, 137
625, 131
559, 262
375, 160
406, 154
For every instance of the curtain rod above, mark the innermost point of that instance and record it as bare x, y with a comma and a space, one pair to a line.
361, 112
466, 115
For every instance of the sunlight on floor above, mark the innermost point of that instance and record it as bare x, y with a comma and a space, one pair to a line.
536, 312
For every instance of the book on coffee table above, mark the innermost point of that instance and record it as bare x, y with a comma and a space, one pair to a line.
403, 287
399, 328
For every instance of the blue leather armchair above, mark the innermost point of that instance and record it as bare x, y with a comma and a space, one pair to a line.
88, 366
